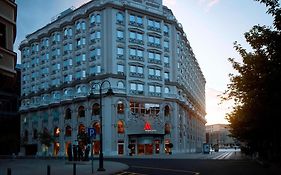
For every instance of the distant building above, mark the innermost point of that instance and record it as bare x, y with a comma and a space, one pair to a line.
9, 80
141, 49
219, 134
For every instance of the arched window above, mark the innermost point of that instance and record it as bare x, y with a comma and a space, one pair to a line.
120, 107
68, 130
96, 125
96, 109
81, 128
81, 111
56, 132
35, 134
167, 128
167, 90
167, 110
120, 85
67, 115
120, 127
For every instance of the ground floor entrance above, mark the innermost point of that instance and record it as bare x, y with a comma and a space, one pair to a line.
145, 145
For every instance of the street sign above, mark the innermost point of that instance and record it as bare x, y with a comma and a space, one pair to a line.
92, 133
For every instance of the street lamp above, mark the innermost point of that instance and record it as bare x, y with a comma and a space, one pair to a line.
109, 92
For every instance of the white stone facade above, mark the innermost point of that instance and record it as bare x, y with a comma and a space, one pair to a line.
136, 45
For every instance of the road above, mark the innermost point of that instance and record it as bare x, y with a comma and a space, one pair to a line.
225, 162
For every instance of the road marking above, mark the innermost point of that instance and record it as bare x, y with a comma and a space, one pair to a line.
129, 173
223, 155
166, 169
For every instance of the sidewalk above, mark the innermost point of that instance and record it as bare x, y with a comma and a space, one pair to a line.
58, 167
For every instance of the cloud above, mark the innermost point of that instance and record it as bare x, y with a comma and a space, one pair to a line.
211, 3
208, 4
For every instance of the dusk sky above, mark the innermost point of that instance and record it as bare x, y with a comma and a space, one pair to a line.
211, 27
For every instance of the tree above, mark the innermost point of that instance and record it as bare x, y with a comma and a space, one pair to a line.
46, 138
255, 90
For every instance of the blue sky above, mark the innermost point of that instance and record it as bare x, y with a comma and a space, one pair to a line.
211, 27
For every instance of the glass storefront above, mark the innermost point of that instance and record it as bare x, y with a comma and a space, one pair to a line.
145, 145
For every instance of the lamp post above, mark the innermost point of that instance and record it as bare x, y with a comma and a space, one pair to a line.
109, 92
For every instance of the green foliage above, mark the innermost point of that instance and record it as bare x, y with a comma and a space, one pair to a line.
255, 89
46, 138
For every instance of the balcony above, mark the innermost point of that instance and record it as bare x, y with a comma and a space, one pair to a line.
7, 61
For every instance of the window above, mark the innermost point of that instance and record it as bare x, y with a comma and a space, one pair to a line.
95, 69
56, 132
68, 78
120, 127
96, 109
154, 25
95, 36
166, 60
136, 20
136, 69
120, 85
120, 107
154, 72
2, 35
81, 129
67, 32
154, 41
136, 88
83, 26
136, 37
80, 42
136, 53
68, 131
167, 128
154, 89
166, 76
96, 125
119, 18
67, 115
144, 108
120, 51
120, 68
166, 29
166, 110
81, 112
167, 90
166, 45
95, 19
120, 34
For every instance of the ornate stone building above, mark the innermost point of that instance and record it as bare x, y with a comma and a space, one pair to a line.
141, 49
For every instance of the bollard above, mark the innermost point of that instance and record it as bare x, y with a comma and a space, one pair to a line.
9, 171
48, 170
74, 169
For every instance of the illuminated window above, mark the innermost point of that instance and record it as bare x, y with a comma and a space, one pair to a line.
120, 127
167, 128
120, 107
96, 125
81, 129
57, 132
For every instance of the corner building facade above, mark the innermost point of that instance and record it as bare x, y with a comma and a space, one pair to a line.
136, 45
